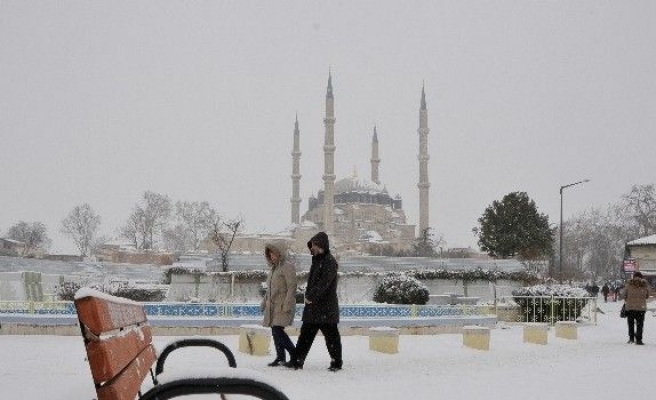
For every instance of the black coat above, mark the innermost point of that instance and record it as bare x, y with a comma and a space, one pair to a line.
322, 286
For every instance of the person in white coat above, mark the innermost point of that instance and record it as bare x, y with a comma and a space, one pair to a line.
279, 304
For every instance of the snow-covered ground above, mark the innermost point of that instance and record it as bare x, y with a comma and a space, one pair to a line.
599, 365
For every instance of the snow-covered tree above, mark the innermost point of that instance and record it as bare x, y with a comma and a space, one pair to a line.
194, 223
640, 203
223, 235
81, 225
34, 236
148, 220
514, 227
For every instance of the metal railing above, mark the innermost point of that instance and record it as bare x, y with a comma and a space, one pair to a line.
551, 309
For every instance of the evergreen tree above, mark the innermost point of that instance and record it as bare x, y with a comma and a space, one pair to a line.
513, 227
424, 246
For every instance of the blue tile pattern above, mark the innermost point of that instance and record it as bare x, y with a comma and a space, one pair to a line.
193, 310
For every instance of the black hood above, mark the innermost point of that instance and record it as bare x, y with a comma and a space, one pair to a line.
321, 239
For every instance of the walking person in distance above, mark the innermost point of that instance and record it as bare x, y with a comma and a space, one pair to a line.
605, 290
636, 293
279, 304
321, 312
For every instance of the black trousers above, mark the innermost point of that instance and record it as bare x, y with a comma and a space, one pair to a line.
331, 335
636, 320
282, 342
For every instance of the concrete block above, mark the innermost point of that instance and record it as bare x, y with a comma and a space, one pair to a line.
566, 330
254, 340
536, 333
384, 340
476, 337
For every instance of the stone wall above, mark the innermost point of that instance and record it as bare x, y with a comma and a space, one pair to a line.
352, 289
215, 288
28, 286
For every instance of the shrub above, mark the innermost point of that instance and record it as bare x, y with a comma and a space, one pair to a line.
401, 289
550, 303
67, 290
140, 294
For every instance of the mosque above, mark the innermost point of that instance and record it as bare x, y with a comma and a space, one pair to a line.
359, 215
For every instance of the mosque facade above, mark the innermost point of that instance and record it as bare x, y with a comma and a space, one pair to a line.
358, 214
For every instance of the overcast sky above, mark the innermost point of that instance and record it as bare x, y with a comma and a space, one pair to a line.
101, 101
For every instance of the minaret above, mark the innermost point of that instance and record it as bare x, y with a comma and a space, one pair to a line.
375, 160
329, 161
423, 184
296, 175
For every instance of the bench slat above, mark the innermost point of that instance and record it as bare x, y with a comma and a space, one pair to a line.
108, 357
126, 385
101, 315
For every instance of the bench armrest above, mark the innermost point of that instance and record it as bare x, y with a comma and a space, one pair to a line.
193, 342
227, 381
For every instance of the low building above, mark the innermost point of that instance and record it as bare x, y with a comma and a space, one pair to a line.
11, 247
642, 252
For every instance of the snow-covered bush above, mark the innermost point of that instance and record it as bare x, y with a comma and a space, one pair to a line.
542, 303
145, 294
554, 290
401, 289
67, 290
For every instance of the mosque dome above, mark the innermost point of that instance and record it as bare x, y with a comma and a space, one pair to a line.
354, 184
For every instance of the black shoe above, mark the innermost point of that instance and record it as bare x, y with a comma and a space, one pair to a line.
639, 343
335, 366
630, 341
295, 364
277, 362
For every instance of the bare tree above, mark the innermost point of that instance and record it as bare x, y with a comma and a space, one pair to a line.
176, 238
156, 214
223, 234
641, 204
34, 236
132, 228
147, 221
98, 242
594, 242
194, 222
81, 225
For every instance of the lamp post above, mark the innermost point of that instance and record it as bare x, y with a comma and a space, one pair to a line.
560, 241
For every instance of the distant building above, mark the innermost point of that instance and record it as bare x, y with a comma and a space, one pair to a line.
122, 253
359, 215
643, 252
11, 247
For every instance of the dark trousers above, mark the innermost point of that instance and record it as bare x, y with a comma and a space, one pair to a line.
636, 320
282, 342
330, 334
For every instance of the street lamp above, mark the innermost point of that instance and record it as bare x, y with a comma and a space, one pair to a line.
560, 242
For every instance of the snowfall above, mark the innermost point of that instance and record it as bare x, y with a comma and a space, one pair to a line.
598, 365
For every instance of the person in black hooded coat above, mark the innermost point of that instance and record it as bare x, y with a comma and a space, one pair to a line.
321, 311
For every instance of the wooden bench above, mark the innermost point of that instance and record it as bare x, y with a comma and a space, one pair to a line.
118, 341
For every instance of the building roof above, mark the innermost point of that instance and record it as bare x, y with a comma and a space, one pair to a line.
355, 184
644, 241
16, 242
